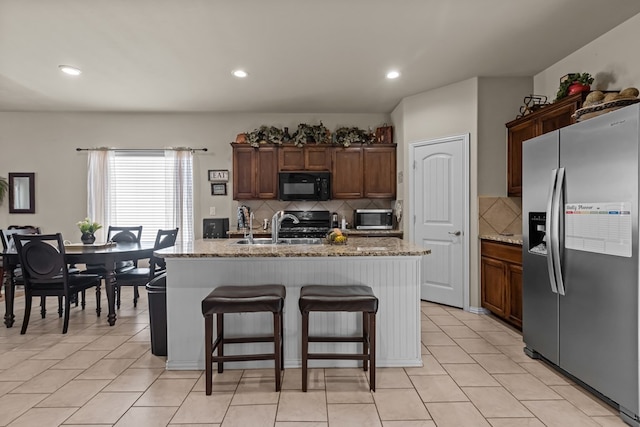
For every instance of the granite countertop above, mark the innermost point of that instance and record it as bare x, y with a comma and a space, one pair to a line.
356, 246
515, 239
381, 233
349, 232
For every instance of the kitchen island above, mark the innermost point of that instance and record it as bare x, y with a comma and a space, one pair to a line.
389, 265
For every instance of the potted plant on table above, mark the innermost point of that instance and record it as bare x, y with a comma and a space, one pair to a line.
88, 228
574, 83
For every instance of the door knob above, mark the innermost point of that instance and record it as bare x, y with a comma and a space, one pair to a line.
455, 233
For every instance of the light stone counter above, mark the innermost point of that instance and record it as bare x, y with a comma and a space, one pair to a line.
389, 265
356, 246
515, 239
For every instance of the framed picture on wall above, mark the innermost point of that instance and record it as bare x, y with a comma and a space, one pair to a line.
219, 175
219, 189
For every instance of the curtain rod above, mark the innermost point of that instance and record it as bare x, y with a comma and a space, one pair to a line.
142, 149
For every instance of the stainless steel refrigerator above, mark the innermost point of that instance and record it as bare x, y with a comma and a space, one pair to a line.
580, 253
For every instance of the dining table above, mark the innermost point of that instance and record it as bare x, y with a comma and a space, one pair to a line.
98, 255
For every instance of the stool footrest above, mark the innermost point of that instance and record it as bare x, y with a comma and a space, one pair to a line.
243, 357
339, 356
337, 339
244, 340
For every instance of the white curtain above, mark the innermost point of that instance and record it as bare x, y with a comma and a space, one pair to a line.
99, 172
181, 163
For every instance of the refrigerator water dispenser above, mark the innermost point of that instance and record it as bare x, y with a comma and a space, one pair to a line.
537, 233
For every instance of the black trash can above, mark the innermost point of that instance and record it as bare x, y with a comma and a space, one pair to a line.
157, 295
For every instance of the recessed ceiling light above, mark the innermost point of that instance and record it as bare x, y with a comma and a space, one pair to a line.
68, 69
240, 73
393, 74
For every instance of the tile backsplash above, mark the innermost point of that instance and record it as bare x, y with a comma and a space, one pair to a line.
500, 215
266, 208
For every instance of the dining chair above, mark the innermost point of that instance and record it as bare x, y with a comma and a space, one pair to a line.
117, 235
140, 276
45, 273
16, 279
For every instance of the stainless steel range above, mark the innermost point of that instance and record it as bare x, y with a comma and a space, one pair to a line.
312, 224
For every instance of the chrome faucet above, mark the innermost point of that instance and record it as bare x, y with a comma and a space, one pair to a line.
249, 237
276, 222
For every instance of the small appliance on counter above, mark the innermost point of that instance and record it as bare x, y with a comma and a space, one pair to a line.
373, 219
243, 216
215, 228
334, 220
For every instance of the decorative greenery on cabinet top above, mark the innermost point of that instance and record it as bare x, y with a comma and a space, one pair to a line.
307, 134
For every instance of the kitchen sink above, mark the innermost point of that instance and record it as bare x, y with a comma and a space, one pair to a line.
259, 241
292, 241
301, 241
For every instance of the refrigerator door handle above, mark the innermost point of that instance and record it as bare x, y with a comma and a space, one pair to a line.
549, 231
555, 242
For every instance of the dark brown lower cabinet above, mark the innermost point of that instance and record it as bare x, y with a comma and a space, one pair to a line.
501, 280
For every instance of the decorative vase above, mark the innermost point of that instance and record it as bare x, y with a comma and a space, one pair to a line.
577, 88
285, 135
88, 238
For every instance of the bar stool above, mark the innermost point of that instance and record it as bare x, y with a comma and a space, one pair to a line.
242, 299
350, 298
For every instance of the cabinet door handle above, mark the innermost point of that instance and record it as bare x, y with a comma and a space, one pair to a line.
455, 233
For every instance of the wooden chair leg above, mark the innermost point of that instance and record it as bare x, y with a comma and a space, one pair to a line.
365, 338
117, 289
43, 307
208, 350
220, 332
98, 296
277, 347
305, 349
136, 295
67, 309
60, 306
83, 303
27, 312
372, 350
281, 343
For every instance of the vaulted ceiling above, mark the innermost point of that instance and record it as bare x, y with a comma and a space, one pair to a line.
301, 55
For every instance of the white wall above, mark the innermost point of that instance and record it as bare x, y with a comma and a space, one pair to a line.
612, 59
499, 101
45, 143
446, 111
481, 107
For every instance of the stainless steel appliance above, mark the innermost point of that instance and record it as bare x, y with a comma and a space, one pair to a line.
373, 219
304, 186
580, 254
311, 224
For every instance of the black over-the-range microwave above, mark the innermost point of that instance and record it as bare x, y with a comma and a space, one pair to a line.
304, 185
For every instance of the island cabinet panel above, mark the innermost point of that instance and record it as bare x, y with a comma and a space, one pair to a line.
309, 158
501, 280
255, 172
546, 119
379, 172
395, 281
347, 173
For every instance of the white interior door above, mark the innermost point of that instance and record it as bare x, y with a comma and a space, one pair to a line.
440, 209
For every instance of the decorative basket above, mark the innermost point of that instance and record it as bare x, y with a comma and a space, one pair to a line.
597, 110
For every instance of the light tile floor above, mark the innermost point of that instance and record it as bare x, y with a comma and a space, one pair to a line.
474, 374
